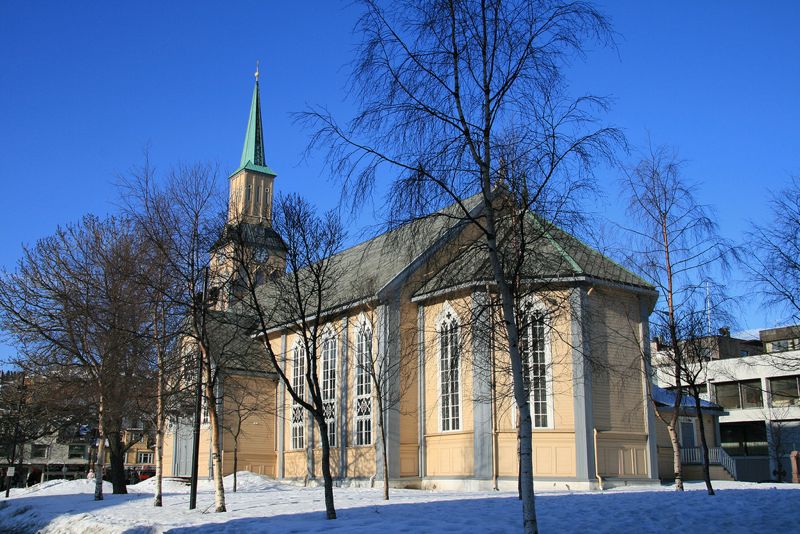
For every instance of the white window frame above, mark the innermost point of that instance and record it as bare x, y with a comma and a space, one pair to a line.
142, 455
448, 317
362, 433
329, 355
298, 416
532, 306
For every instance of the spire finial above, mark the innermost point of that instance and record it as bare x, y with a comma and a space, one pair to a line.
256, 70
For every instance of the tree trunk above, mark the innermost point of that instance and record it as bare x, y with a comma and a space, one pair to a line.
157, 498
384, 447
213, 420
235, 461
330, 511
523, 402
160, 418
676, 452
118, 477
704, 444
101, 454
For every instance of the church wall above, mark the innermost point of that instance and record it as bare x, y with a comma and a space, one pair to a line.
168, 454
448, 453
257, 440
554, 447
360, 460
617, 391
409, 398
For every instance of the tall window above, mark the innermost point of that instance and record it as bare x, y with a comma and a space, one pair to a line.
256, 198
247, 197
299, 386
364, 386
329, 385
532, 350
449, 365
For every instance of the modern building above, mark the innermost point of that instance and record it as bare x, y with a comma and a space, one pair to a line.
756, 383
413, 297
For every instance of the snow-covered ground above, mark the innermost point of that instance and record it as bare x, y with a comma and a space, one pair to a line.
263, 505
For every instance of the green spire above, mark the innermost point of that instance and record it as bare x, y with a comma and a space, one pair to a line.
253, 152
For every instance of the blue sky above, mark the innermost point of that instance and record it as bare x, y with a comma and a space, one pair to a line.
86, 86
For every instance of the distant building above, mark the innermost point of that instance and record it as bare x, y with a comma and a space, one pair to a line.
757, 383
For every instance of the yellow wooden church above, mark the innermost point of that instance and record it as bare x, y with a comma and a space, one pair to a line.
412, 297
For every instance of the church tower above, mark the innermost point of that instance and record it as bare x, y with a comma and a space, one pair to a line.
251, 184
248, 235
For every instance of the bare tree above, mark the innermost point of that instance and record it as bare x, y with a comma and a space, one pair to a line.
74, 311
179, 218
675, 245
241, 403
775, 260
378, 380
443, 88
298, 301
700, 347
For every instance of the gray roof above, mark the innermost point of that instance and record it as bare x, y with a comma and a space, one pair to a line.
232, 344
552, 254
363, 270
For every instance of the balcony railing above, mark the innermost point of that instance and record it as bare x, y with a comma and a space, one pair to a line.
716, 456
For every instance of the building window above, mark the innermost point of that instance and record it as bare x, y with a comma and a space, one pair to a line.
784, 391
533, 352
364, 385
329, 385
144, 457
739, 395
204, 412
256, 198
76, 451
39, 451
299, 387
747, 438
782, 345
449, 371
247, 197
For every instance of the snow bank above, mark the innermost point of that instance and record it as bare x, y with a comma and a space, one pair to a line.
168, 485
264, 505
247, 481
62, 487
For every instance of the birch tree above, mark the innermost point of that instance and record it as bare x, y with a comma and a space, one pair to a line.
442, 87
299, 301
675, 245
180, 218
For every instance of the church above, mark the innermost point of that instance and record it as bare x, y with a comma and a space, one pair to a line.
414, 297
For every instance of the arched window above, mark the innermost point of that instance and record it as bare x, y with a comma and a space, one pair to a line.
533, 350
449, 371
256, 198
363, 435
299, 386
329, 384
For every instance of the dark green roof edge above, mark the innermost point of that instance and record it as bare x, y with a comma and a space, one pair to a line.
250, 166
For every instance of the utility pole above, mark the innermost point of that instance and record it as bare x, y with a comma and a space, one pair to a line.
198, 401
